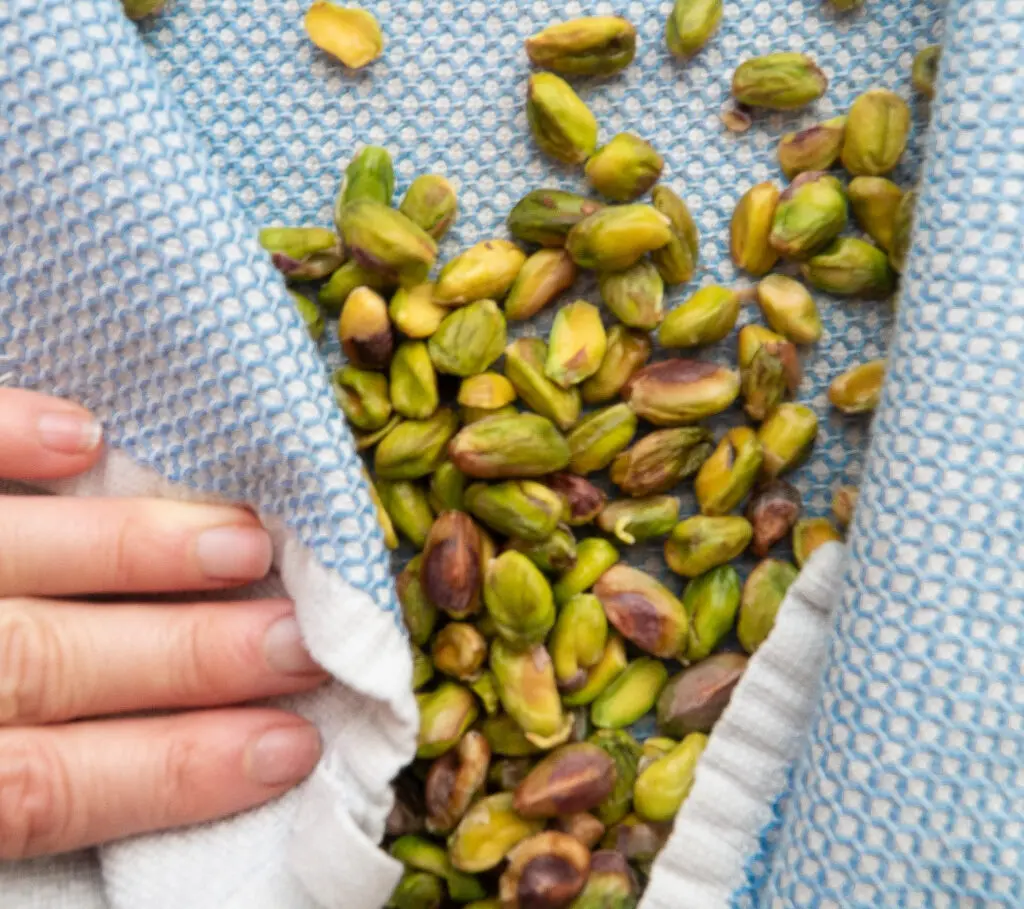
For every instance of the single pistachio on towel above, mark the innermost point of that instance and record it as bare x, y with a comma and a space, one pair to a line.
624, 168
588, 46
582, 501
676, 261
415, 448
413, 381
701, 543
858, 390
454, 780
529, 693
693, 700
809, 534
486, 833
850, 267
513, 445
431, 204
542, 278
578, 640
562, 125
303, 253
661, 788
350, 34
789, 309
786, 437
902, 225
763, 594
844, 502
810, 213
546, 871
925, 70
447, 485
594, 557
450, 569
584, 827
675, 392
875, 201
690, 25
631, 695
616, 237
506, 737
599, 676
638, 520
661, 459
783, 81
414, 312
345, 280
726, 477
484, 271
386, 242
635, 296
573, 778
469, 339
623, 749
815, 148
417, 890
459, 650
610, 885
408, 507
369, 175
750, 228
545, 216
773, 509
705, 318
362, 396
310, 314
418, 614
626, 351
596, 440
515, 508
711, 601
554, 555
877, 129
445, 715
577, 344
643, 611
524, 367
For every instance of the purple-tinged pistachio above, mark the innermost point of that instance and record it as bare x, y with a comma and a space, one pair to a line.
623, 749
515, 445
588, 46
303, 253
413, 381
545, 216
369, 175
787, 437
431, 204
783, 81
751, 227
506, 737
605, 671
450, 570
362, 396
594, 557
789, 309
447, 485
694, 699
364, 329
414, 312
554, 555
582, 826
387, 242
661, 459
662, 787
524, 367
542, 278
350, 34
624, 168
415, 448
529, 693
484, 271
596, 440
408, 507
844, 502
518, 599
763, 594
487, 832
578, 641
772, 511
811, 533
924, 72
577, 344
643, 611
459, 650
711, 601
634, 296
616, 237
573, 778
582, 501
810, 213
814, 148
875, 201
310, 314
562, 125
631, 695
611, 884
454, 780
546, 871
701, 543
676, 392
515, 508
725, 478
690, 25
858, 390
637, 841
638, 520
344, 281
469, 339
626, 352
708, 316
877, 129
676, 261
445, 715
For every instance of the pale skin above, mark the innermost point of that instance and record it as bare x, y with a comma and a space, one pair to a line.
75, 769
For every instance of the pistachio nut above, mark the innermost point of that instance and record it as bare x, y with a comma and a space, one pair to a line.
469, 339
605, 671
310, 314
514, 445
701, 543
875, 201
506, 737
711, 601
408, 507
582, 501
786, 437
364, 329
844, 6
625, 353
772, 374
543, 277
616, 237
809, 534
690, 25
624, 168
675, 392
902, 225
595, 441
676, 261
407, 814
662, 787
459, 650
611, 884
484, 271
562, 125
725, 478
637, 841
529, 693
344, 281
369, 175
577, 344
573, 778
789, 309
736, 117
783, 81
661, 459
420, 854
850, 267
858, 390
581, 826
445, 715
925, 70
347, 33
303, 253
416, 889
578, 641
753, 337
638, 520
813, 149
763, 594
751, 227
810, 213
515, 508
635, 296
546, 871
431, 204
643, 611
386, 527
693, 700
844, 502
413, 381
519, 600
486, 833
554, 555
877, 129
708, 316
414, 312
422, 668
485, 687
545, 216
139, 9
525, 359
362, 396
773, 509
365, 440
588, 46
594, 557
631, 695
414, 448
486, 391
623, 749
507, 773
450, 570
454, 780
387, 242
447, 485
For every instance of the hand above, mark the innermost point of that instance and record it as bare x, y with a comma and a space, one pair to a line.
68, 779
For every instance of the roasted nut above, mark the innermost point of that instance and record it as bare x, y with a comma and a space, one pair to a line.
725, 478
616, 237
662, 787
625, 168
454, 781
573, 778
459, 650
386, 242
594, 557
362, 396
562, 125
708, 316
626, 352
519, 600
515, 508
877, 128
413, 381
578, 641
486, 833
751, 227
778, 81
445, 715
468, 340
711, 601
810, 213
582, 501
350, 34
700, 543
631, 695
364, 329
415, 448
588, 46
546, 216
643, 611
450, 571
623, 749
514, 445
524, 366
637, 840
772, 511
814, 148
528, 692
542, 278
676, 261
635, 295
661, 459
690, 25
486, 391
595, 441
369, 175
875, 201
414, 312
408, 507
546, 871
763, 594
858, 390
676, 392
600, 675
637, 520
786, 438
772, 373
484, 271
694, 699
789, 309
577, 344
554, 555
431, 204
809, 534
303, 253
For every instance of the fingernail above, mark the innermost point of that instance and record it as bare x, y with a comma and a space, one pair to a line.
234, 553
68, 432
284, 650
284, 755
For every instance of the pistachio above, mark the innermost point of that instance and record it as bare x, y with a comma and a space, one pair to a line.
310, 314
772, 373
431, 204
362, 396
637, 840
809, 534
693, 700
469, 339
422, 668
789, 309
763, 594
643, 611
386, 527
350, 34
676, 261
844, 501
813, 149
582, 501
625, 353
573, 778
736, 117
625, 168
675, 392
725, 478
708, 316
594, 557
638, 520
554, 555
528, 692
578, 641
506, 737
581, 826
542, 278
413, 381
445, 715
810, 213
524, 366
616, 237
701, 543
417, 890
925, 70
447, 485
459, 650
634, 296
386, 242
711, 601
577, 344
660, 460
877, 128
414, 448
844, 6
562, 125
420, 854
486, 391
623, 749
662, 788
414, 312
518, 445
875, 201
858, 390
450, 571
631, 695
407, 814
690, 25
546, 871
752, 338
772, 511
546, 216
850, 267
486, 833
139, 9
454, 780
600, 675
369, 175
408, 507
344, 281
484, 271
902, 225
611, 884
596, 440
519, 600
786, 437
751, 228
364, 329
588, 46
485, 687
507, 773
367, 440
782, 81
303, 253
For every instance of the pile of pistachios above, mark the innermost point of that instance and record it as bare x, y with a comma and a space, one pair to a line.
536, 645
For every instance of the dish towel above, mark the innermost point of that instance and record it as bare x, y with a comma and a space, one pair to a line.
872, 755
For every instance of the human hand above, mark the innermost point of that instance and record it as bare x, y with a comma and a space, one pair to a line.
69, 779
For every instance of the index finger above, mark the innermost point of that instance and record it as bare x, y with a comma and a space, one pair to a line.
43, 438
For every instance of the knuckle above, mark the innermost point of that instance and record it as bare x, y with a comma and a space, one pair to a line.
30, 666
35, 797
179, 784
195, 670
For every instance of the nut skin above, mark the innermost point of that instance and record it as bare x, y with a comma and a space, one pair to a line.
582, 826
626, 352
454, 780
577, 344
635, 296
408, 506
594, 556
431, 204
413, 381
844, 502
524, 366
789, 309
364, 330
699, 544
784, 81
369, 175
386, 242
624, 168
546, 871
469, 339
662, 787
578, 641
631, 695
303, 253
850, 267
605, 671
877, 129
414, 312
813, 149
349, 34
459, 650
676, 392
705, 318
875, 201
925, 70
582, 501
858, 390
611, 884
634, 521
487, 832
450, 570
515, 508
363, 397
529, 693
587, 46
519, 600
445, 715
773, 509
676, 261
543, 277
573, 778
625, 752
345, 280
447, 486
810, 213
725, 478
597, 439
786, 438
643, 611
690, 25
616, 237
751, 227
484, 271
516, 445
763, 593
310, 314
902, 225
660, 460
809, 534
562, 125
553, 555
711, 601
415, 448
693, 700
545, 216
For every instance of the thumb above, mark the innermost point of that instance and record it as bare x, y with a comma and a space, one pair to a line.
43, 438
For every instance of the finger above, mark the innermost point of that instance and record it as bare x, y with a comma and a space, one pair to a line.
52, 546
61, 661
42, 438
69, 787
